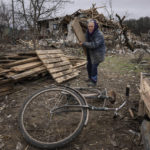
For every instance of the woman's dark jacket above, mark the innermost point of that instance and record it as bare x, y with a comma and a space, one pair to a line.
95, 47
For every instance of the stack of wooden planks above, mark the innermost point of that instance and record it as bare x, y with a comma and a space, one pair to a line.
57, 64
25, 67
14, 68
17, 67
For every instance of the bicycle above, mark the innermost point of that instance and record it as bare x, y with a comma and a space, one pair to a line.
54, 116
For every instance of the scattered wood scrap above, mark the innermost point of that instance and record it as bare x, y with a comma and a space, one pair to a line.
57, 64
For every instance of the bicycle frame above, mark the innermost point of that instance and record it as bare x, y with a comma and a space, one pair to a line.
91, 107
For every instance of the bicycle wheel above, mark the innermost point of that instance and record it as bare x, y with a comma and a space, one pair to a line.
46, 129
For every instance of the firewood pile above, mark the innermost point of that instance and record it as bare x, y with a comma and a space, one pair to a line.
22, 66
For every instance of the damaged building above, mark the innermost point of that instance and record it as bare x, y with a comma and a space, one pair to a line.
60, 29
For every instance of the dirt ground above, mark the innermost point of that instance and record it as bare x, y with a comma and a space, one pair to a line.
102, 131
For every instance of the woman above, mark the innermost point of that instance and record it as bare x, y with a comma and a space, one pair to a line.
95, 47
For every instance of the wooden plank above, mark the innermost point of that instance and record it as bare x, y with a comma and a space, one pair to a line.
26, 66
51, 56
8, 75
54, 70
43, 52
80, 64
66, 77
29, 72
54, 60
59, 74
4, 71
54, 65
22, 61
78, 31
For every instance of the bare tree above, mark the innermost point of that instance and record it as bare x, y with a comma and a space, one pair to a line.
5, 20
124, 32
5, 15
109, 10
33, 10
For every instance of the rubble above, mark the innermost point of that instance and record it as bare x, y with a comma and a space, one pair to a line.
116, 34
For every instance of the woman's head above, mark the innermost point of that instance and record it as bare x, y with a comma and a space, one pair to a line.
92, 26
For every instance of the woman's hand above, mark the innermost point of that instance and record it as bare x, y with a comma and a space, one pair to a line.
80, 43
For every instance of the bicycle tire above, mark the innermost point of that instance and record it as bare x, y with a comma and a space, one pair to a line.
64, 141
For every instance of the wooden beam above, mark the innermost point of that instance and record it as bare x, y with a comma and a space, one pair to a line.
22, 61
53, 70
59, 64
51, 56
43, 52
26, 66
29, 72
54, 60
67, 77
63, 73
80, 64
78, 31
